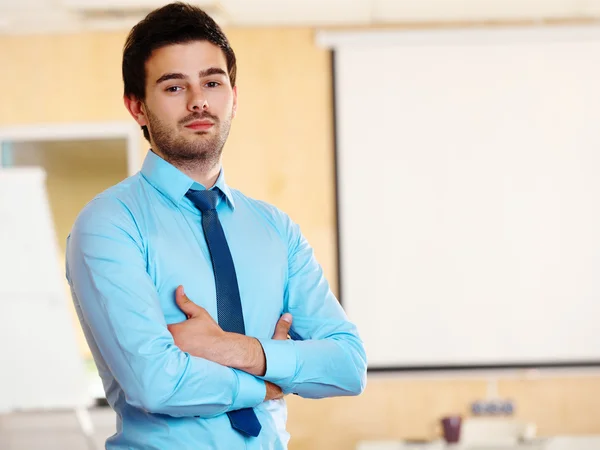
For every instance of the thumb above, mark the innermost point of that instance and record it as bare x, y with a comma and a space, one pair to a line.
185, 304
283, 327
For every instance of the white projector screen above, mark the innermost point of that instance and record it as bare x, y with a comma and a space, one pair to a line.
468, 167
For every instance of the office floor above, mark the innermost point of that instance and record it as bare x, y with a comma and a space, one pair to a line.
56, 430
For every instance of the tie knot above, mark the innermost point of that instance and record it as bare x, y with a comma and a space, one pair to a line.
203, 200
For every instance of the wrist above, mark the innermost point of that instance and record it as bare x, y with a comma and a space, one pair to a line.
243, 353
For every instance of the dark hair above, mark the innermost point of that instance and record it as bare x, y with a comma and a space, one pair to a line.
175, 23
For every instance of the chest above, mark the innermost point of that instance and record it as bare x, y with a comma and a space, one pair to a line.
178, 254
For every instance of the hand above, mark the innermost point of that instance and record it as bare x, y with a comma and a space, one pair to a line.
199, 334
274, 392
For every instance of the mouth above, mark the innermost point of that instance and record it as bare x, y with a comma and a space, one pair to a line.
200, 125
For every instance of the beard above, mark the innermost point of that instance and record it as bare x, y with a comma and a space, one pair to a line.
201, 151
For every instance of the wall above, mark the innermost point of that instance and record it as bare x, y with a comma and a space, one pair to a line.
280, 150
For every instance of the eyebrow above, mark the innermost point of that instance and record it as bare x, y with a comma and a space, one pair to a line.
171, 76
212, 71
202, 74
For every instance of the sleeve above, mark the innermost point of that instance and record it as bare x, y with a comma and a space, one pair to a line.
118, 303
326, 356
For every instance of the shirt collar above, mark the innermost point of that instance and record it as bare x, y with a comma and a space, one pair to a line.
173, 183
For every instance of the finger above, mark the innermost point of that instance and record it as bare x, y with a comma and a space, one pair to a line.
283, 327
185, 304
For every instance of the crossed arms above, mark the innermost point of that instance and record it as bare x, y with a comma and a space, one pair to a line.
194, 368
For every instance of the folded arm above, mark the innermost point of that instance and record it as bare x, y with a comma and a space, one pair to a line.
118, 302
325, 356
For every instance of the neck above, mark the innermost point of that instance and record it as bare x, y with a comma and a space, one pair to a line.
202, 171
206, 176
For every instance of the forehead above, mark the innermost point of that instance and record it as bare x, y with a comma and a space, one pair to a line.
188, 58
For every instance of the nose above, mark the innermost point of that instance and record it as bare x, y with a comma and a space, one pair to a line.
197, 102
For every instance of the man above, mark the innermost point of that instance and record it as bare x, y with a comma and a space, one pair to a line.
186, 289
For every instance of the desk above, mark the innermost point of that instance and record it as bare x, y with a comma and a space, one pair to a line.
553, 443
573, 443
441, 445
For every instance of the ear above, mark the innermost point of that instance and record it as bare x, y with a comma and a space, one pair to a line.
136, 109
234, 110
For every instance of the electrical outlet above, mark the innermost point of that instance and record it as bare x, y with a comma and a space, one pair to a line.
493, 408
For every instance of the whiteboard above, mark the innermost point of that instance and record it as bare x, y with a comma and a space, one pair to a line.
41, 365
468, 170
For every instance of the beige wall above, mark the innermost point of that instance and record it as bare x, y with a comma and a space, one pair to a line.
280, 150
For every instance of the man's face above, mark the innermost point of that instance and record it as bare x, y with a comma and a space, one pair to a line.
189, 103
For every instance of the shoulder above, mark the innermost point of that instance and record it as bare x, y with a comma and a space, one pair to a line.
112, 209
106, 231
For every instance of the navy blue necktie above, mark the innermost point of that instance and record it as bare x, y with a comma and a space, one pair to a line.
229, 305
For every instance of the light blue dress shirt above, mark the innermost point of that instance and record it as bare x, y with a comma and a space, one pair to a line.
128, 251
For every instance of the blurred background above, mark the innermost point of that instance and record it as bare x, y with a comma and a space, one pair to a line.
441, 157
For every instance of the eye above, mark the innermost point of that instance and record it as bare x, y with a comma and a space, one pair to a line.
213, 84
173, 89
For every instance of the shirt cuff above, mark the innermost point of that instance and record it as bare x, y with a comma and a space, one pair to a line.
251, 391
281, 358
